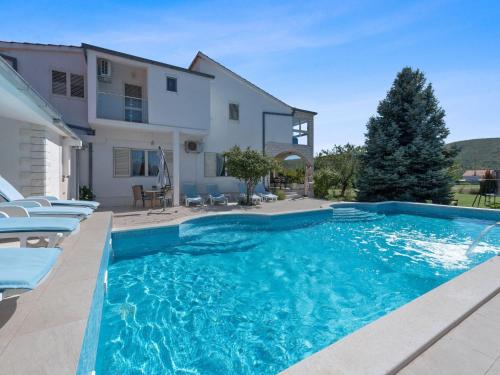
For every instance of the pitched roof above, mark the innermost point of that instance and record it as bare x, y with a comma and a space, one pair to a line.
237, 76
142, 59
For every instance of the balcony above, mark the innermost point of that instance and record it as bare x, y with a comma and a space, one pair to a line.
111, 106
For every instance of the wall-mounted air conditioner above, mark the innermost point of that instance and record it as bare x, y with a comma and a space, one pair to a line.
104, 70
193, 147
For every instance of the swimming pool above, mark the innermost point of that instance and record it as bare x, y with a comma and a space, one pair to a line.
245, 294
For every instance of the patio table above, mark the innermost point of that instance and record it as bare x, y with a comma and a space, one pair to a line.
152, 193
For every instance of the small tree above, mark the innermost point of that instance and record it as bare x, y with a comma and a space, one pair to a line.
337, 167
406, 157
249, 166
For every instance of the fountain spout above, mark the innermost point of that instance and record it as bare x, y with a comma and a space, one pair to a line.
483, 233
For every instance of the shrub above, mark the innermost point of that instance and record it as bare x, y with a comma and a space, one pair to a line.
281, 195
324, 179
86, 194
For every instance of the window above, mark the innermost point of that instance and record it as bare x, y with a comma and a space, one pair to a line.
133, 162
172, 84
215, 165
138, 158
234, 111
121, 162
133, 103
77, 85
153, 163
58, 83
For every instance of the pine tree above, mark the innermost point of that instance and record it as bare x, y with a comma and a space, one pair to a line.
405, 157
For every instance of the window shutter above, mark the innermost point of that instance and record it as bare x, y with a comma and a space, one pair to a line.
121, 162
58, 82
77, 85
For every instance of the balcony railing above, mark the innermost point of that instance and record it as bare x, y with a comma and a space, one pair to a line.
112, 106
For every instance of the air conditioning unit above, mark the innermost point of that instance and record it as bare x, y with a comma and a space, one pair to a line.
193, 147
104, 70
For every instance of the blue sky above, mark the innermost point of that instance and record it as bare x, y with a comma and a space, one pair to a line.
338, 58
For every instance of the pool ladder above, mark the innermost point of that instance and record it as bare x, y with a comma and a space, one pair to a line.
353, 214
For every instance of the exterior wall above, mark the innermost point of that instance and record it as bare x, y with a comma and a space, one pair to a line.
247, 132
31, 158
111, 94
35, 64
187, 108
117, 191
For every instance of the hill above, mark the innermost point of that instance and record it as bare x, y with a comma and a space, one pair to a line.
479, 153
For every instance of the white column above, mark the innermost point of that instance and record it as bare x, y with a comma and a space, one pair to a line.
176, 156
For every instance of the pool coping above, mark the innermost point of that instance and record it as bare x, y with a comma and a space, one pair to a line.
42, 331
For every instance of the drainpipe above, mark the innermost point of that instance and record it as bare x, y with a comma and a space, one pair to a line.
264, 125
90, 165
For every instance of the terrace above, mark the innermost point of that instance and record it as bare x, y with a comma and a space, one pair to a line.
452, 329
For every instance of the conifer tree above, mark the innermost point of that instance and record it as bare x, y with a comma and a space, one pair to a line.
405, 157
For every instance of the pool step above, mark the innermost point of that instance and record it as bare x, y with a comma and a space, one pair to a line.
353, 214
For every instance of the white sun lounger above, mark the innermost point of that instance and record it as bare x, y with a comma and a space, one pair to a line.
11, 194
261, 191
23, 268
35, 209
214, 196
243, 194
47, 229
191, 194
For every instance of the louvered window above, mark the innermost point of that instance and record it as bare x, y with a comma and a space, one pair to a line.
234, 111
121, 162
77, 86
58, 83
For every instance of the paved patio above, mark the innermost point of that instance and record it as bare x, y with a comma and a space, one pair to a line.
129, 217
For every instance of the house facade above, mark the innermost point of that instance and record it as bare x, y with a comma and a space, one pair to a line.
124, 107
36, 146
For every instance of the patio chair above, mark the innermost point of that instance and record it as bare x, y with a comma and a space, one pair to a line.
10, 194
267, 196
35, 209
243, 194
49, 231
214, 196
25, 268
138, 192
191, 194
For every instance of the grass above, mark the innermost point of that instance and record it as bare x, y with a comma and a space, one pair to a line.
465, 200
465, 194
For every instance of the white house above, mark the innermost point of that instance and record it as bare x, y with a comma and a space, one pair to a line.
124, 107
35, 144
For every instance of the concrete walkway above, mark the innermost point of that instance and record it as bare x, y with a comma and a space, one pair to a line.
472, 347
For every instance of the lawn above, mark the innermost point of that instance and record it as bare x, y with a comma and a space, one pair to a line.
465, 194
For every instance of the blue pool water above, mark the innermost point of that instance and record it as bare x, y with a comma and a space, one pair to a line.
254, 295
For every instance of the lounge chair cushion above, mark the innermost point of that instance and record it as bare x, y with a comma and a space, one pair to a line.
38, 224
59, 210
24, 268
10, 193
70, 202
